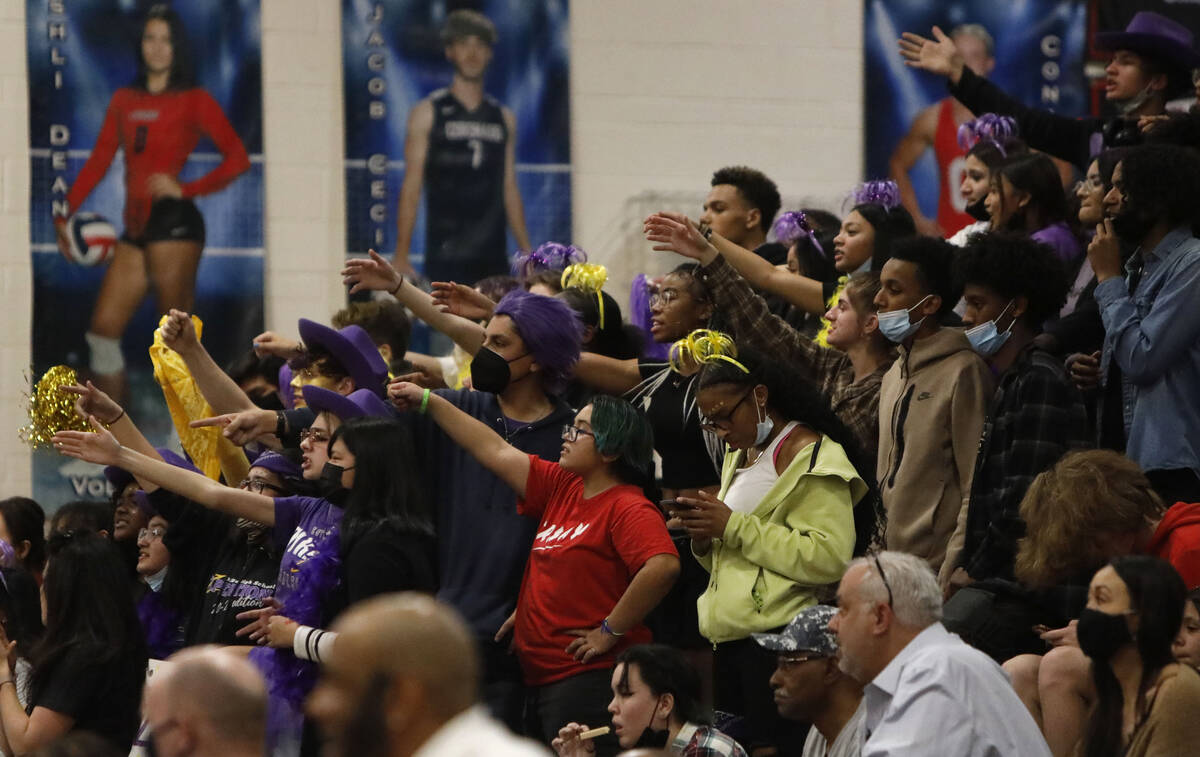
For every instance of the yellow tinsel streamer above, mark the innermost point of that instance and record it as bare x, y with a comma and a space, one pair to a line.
704, 346
51, 409
590, 277
211, 452
822, 337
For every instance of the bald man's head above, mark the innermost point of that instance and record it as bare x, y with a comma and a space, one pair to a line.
215, 697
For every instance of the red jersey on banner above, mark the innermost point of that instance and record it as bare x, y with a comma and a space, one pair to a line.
157, 133
950, 160
584, 556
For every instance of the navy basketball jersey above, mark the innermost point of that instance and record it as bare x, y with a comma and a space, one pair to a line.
464, 190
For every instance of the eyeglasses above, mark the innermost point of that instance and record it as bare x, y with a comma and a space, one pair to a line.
313, 435
257, 485
154, 534
571, 433
1090, 184
882, 576
796, 659
722, 421
663, 298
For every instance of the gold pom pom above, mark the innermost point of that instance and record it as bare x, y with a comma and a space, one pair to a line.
588, 277
51, 409
704, 346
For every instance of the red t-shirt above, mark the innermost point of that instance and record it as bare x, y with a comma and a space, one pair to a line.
157, 133
584, 556
1177, 540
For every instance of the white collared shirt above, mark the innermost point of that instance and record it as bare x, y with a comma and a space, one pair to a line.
473, 732
940, 696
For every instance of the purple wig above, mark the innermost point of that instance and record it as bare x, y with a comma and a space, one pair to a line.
883, 192
794, 225
988, 127
549, 256
551, 331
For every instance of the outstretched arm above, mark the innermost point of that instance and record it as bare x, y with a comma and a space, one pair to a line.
513, 208
221, 391
510, 464
103, 448
908, 152
607, 374
90, 401
376, 273
673, 232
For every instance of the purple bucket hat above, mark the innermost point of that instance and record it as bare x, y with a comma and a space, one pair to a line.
353, 348
358, 404
1155, 35
277, 464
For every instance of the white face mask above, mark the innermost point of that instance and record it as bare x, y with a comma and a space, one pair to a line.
896, 325
986, 338
762, 429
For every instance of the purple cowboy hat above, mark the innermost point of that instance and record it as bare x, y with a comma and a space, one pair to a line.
1157, 36
358, 404
353, 348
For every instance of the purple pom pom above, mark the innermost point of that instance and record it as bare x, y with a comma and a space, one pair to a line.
878, 192
991, 127
549, 256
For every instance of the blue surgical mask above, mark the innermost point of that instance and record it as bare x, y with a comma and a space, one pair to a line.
155, 581
763, 428
986, 338
895, 325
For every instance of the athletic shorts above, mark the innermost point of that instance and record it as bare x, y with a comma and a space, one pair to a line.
172, 219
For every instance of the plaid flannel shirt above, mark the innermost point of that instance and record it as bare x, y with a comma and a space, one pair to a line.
752, 323
704, 741
1036, 416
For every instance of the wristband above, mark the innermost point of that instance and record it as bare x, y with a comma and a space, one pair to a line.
606, 628
280, 424
114, 420
396, 288
424, 402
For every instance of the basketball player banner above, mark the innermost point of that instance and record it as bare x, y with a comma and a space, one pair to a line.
146, 153
1038, 49
486, 122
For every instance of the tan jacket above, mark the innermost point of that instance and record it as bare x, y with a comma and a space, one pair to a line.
931, 409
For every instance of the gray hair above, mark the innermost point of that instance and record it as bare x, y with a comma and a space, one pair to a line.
916, 596
979, 32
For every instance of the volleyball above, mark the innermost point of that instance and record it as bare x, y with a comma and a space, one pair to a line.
91, 239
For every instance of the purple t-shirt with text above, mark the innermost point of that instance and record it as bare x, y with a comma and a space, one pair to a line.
301, 525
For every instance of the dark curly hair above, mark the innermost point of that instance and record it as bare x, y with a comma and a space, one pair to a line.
1163, 182
798, 400
759, 191
934, 260
1013, 265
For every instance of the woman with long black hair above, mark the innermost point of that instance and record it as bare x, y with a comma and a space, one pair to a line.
89, 666
157, 123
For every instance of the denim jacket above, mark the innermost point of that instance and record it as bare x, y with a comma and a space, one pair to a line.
1154, 337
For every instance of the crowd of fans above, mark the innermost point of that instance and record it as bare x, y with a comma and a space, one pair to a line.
885, 494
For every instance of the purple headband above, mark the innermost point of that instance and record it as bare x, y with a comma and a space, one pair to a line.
878, 192
794, 225
988, 128
549, 256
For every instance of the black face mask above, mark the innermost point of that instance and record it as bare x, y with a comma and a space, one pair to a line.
978, 210
331, 483
1100, 634
1131, 225
490, 371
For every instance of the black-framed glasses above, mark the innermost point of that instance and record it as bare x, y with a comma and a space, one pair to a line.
571, 433
257, 485
722, 421
882, 576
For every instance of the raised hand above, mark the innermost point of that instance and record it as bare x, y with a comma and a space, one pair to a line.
91, 401
179, 332
462, 300
937, 56
101, 448
1104, 252
269, 343
673, 232
371, 273
404, 395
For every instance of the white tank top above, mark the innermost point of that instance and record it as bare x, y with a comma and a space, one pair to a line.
751, 484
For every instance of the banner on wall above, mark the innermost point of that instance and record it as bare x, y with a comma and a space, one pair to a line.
146, 132
494, 171
1038, 48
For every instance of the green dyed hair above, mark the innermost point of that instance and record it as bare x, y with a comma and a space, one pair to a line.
622, 431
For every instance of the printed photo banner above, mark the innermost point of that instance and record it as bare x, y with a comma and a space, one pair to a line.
394, 59
140, 201
1040, 47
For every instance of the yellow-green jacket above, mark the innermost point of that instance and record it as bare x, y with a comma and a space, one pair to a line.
770, 564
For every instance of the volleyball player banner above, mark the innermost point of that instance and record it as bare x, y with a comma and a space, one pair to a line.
1039, 50
465, 224
146, 153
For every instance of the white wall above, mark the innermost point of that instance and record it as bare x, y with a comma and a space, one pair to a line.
663, 93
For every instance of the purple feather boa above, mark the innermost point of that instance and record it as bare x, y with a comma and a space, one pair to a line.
161, 625
990, 127
794, 225
549, 256
290, 679
639, 315
877, 192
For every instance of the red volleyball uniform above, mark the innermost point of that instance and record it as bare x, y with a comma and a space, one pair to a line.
950, 160
157, 133
584, 556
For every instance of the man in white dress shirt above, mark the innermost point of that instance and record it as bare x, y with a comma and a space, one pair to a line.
402, 680
926, 692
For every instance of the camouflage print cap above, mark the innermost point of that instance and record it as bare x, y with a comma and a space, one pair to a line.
808, 632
